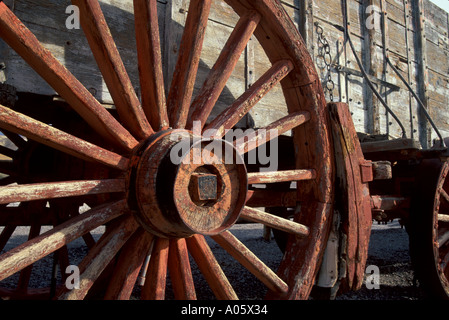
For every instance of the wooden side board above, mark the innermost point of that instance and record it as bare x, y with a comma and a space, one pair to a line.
47, 20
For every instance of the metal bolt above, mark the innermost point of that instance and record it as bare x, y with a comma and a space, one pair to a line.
203, 186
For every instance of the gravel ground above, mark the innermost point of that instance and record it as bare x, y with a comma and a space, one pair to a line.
388, 251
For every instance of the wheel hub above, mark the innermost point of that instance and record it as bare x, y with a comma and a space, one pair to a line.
180, 185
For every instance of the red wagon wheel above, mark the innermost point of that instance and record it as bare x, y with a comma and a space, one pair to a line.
153, 193
429, 233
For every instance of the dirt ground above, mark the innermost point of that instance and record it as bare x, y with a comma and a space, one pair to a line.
388, 251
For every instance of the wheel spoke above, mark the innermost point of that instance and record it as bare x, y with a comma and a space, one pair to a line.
101, 255
55, 138
22, 40
443, 218
263, 135
250, 261
183, 82
150, 63
210, 268
223, 68
154, 288
281, 176
112, 68
234, 113
271, 198
180, 270
52, 190
275, 222
443, 238
54, 239
130, 262
445, 195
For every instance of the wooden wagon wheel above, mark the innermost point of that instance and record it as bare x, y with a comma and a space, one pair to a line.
429, 232
155, 198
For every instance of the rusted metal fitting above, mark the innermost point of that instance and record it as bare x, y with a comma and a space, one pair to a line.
375, 170
203, 186
366, 171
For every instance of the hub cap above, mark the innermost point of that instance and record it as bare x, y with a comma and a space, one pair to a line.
181, 185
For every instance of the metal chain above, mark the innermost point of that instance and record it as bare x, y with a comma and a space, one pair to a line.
324, 52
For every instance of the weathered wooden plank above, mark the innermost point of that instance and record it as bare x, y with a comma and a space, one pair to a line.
281, 176
332, 12
438, 110
185, 73
250, 261
150, 62
101, 255
223, 68
180, 270
50, 241
27, 45
55, 138
210, 268
234, 113
275, 222
395, 11
112, 68
443, 238
128, 266
263, 135
355, 199
154, 287
52, 190
437, 58
47, 20
272, 106
436, 17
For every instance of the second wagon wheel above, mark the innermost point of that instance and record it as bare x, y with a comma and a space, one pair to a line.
159, 197
429, 231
